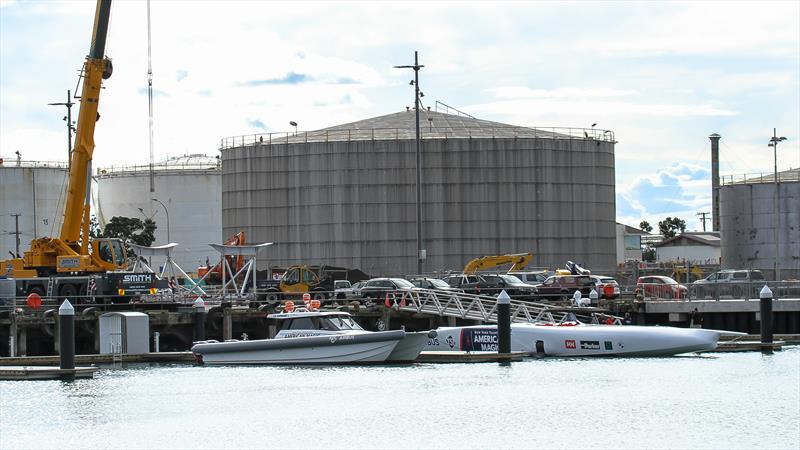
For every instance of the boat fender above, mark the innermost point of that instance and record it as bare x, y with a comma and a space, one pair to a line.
90, 325
47, 330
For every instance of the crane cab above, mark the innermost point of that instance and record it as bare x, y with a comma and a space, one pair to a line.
107, 254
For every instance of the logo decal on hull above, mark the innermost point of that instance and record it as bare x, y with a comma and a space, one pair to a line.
590, 345
570, 343
609, 345
451, 342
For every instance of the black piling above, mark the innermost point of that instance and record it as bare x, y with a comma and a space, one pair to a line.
503, 323
66, 336
199, 319
766, 320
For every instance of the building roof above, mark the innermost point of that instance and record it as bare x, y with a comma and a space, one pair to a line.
691, 239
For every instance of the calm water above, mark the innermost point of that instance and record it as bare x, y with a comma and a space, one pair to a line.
741, 400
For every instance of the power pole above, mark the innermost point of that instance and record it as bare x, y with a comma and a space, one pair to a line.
16, 233
703, 219
70, 129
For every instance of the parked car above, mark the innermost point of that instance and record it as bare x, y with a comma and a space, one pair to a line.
460, 280
744, 283
433, 283
357, 288
563, 287
377, 288
343, 290
659, 287
491, 284
600, 283
532, 277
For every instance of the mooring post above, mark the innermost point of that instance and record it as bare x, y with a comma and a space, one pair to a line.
503, 323
66, 334
593, 297
766, 320
156, 342
227, 322
199, 319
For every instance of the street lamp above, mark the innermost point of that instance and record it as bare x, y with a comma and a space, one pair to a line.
773, 142
417, 93
169, 240
294, 124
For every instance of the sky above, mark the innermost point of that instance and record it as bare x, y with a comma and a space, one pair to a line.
661, 75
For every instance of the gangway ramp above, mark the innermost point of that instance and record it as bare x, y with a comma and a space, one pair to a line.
484, 308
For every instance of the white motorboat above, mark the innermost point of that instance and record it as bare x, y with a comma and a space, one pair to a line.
578, 339
409, 348
306, 337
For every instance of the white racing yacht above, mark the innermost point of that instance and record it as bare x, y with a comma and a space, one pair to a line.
579, 339
309, 336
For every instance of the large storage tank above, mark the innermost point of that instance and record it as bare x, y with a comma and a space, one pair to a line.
188, 186
346, 195
34, 191
749, 223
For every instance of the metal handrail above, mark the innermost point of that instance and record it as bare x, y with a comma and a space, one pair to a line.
758, 178
20, 163
158, 167
439, 132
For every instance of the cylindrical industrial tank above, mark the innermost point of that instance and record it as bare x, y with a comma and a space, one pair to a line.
189, 188
748, 223
346, 195
31, 193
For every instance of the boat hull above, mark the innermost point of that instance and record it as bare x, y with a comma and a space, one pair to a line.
579, 340
331, 349
409, 348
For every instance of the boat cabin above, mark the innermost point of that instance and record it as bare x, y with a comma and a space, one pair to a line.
328, 321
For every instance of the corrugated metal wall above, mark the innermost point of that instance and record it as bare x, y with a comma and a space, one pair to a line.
352, 203
747, 233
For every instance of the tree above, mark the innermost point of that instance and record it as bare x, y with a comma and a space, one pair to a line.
645, 226
130, 230
670, 226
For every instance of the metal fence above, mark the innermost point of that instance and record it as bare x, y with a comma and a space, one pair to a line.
31, 164
426, 132
756, 178
716, 291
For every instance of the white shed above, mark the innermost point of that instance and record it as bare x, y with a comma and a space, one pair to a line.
125, 332
694, 248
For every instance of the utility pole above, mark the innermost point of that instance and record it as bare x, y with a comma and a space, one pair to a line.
773, 142
68, 104
16, 234
703, 218
420, 252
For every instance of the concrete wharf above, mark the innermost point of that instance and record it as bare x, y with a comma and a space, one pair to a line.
27, 331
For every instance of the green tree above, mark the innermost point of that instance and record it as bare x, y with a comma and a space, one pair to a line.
645, 226
670, 226
131, 230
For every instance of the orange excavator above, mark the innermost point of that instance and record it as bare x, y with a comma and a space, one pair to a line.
234, 262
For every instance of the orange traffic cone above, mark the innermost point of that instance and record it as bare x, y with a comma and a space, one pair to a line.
387, 303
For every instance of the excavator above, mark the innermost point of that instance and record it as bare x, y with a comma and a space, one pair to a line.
519, 261
234, 262
63, 265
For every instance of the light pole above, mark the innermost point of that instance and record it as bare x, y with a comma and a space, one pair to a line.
169, 240
416, 68
773, 142
294, 124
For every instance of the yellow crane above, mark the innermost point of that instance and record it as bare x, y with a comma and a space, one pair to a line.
69, 253
519, 261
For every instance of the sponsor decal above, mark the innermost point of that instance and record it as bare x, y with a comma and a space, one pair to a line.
620, 345
334, 339
433, 342
609, 345
479, 340
451, 342
570, 343
590, 345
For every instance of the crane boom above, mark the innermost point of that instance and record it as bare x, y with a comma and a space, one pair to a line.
519, 261
96, 68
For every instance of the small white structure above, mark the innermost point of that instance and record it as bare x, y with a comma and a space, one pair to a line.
124, 332
694, 248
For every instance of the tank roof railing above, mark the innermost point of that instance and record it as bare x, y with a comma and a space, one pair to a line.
158, 167
8, 162
758, 178
426, 132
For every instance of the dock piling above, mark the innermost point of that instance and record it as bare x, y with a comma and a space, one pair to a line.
503, 323
199, 319
66, 333
766, 319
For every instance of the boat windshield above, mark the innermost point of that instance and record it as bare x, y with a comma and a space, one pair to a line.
341, 323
